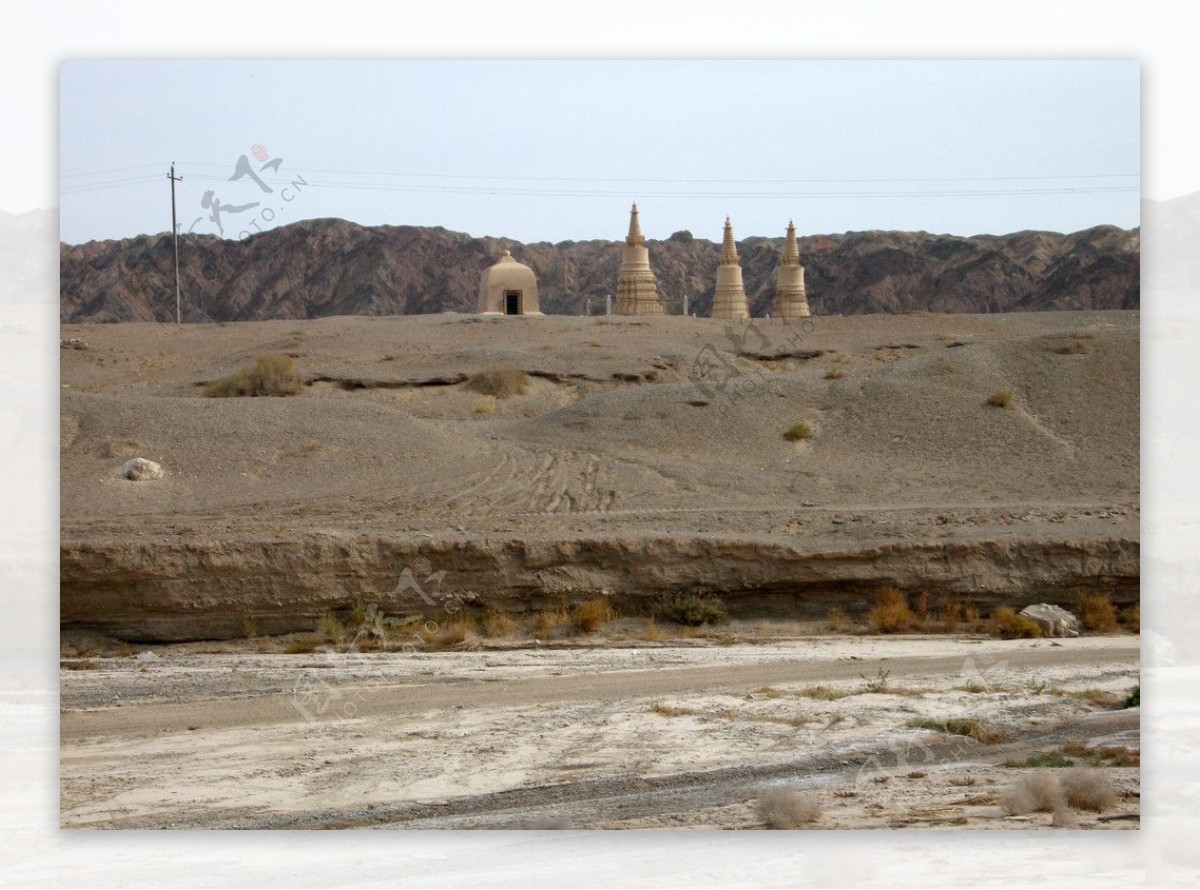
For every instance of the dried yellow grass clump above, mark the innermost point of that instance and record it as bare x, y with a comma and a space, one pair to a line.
891, 613
1038, 792
1097, 613
547, 621
1000, 400
1009, 625
496, 623
1088, 789
594, 613
500, 382
271, 375
784, 808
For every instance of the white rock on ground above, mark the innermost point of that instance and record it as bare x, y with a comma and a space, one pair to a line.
1053, 620
139, 469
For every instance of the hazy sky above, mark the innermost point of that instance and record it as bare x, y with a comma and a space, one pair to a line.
557, 150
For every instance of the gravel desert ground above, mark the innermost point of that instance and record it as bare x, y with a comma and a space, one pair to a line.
967, 461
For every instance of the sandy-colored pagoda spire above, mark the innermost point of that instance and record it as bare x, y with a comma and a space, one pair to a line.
791, 301
729, 301
637, 290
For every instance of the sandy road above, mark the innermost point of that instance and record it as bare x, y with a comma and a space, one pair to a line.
149, 719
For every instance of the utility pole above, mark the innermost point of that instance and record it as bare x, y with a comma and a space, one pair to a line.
175, 235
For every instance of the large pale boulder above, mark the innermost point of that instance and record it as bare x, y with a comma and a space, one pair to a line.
139, 469
1054, 621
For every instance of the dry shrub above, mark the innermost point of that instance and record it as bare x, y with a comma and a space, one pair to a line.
485, 405
301, 645
784, 808
671, 710
951, 615
651, 632
84, 665
548, 621
839, 621
1009, 625
835, 374
973, 619
249, 627
329, 629
1064, 817
984, 733
591, 615
1097, 613
500, 382
1088, 789
271, 375
690, 609
1000, 400
497, 623
1132, 619
891, 613
1038, 792
451, 633
798, 431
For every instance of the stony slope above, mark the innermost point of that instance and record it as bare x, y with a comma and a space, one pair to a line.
319, 268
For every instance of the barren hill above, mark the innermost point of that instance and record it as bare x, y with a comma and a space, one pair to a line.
646, 457
325, 267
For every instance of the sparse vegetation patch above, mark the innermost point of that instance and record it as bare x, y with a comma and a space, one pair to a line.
1009, 625
690, 609
501, 382
271, 375
891, 613
594, 613
1097, 613
1001, 399
784, 808
978, 730
798, 432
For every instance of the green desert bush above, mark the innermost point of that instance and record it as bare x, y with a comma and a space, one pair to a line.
690, 609
891, 613
798, 432
1009, 625
271, 375
500, 382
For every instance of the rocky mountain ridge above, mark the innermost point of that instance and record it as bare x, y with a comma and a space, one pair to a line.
324, 267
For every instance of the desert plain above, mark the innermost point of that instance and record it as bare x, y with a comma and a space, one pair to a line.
358, 605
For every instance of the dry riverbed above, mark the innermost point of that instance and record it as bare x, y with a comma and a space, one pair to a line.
675, 734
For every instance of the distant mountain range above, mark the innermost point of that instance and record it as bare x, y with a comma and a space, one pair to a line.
327, 267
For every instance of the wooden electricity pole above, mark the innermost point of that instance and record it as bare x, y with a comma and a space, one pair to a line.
175, 234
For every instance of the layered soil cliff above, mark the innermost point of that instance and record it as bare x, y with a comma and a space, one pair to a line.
645, 457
